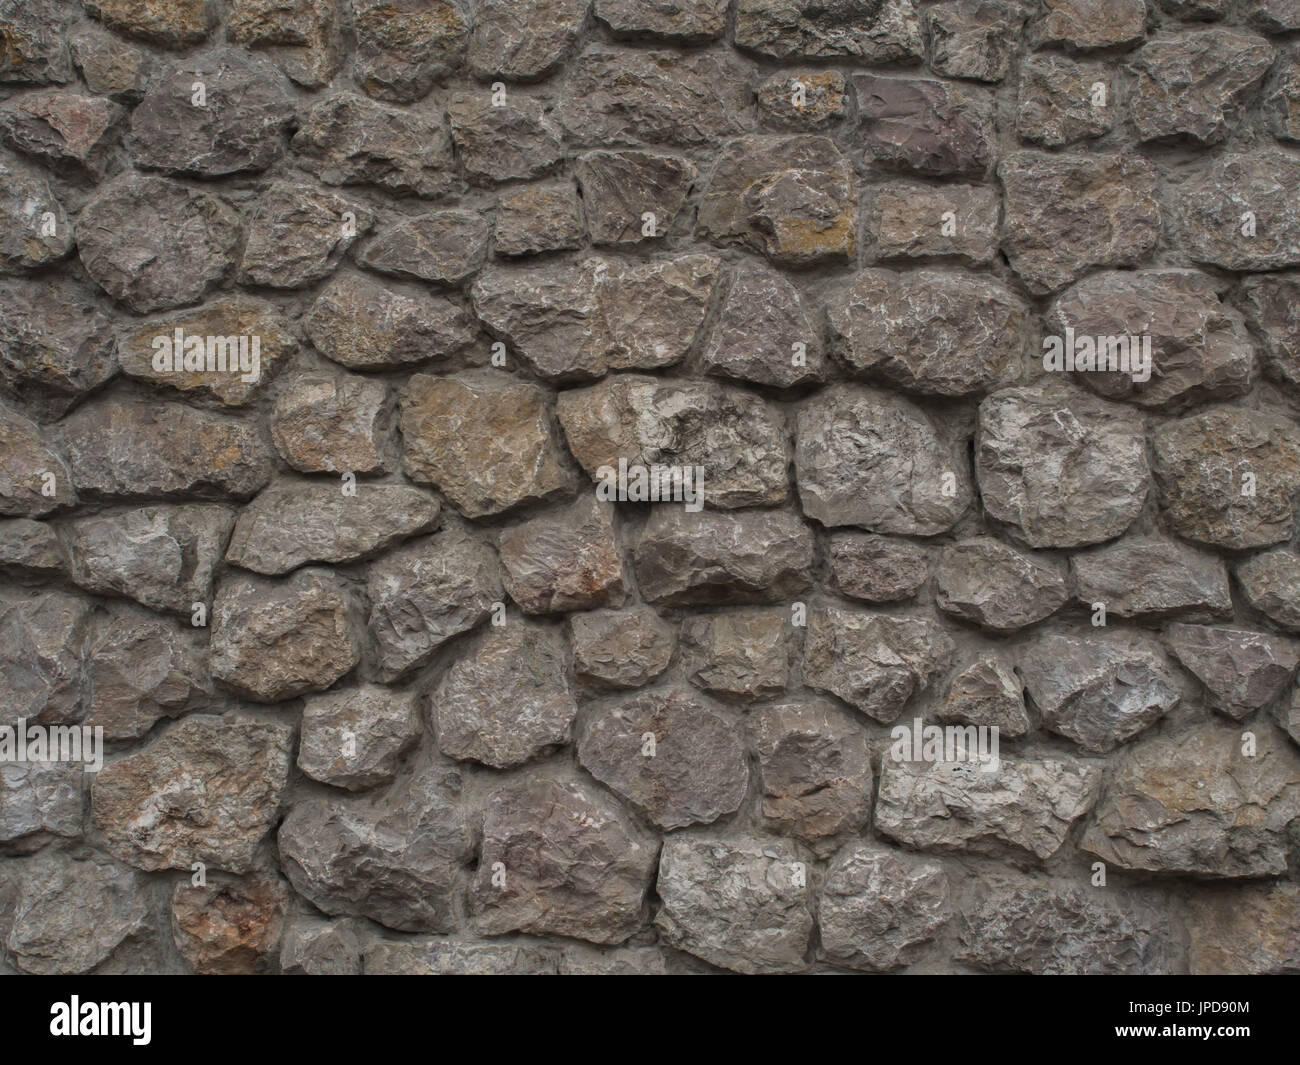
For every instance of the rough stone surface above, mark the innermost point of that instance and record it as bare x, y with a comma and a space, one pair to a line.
924, 125
1232, 192
619, 188
877, 33
876, 568
739, 656
906, 220
568, 560
444, 246
1152, 577
1268, 301
74, 135
298, 235
231, 927
1063, 101
404, 48
355, 739
332, 423
1270, 581
985, 582
765, 334
1242, 671
620, 648
1245, 931
517, 140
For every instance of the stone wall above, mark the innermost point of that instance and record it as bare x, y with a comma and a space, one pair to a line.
323, 326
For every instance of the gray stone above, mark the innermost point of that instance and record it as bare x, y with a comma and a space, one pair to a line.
523, 40
298, 235
35, 42
738, 656
876, 568
680, 21
620, 187
996, 587
1245, 930
43, 643
546, 216
332, 423
765, 334
1087, 24
620, 648
563, 561
34, 479
1282, 104
516, 140
905, 220
403, 48
925, 125
1215, 203
803, 99
355, 738
315, 947
1152, 577
40, 800
973, 38
429, 957
172, 24
884, 32
29, 211
1268, 302
30, 550
72, 134
300, 36
110, 66
1274, 16
1271, 584
1059, 102
987, 694
1241, 670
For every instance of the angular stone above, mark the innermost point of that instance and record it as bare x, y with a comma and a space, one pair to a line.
564, 561
1242, 671
1064, 470
30, 550
620, 187
681, 22
1228, 477
620, 648
35, 45
973, 38
1191, 803
874, 662
516, 140
741, 903
738, 656
1098, 691
879, 907
792, 198
1023, 807
276, 640
815, 771
1274, 16
40, 800
73, 134
1282, 104
43, 642
403, 48
128, 449
575, 864
301, 36
355, 738
931, 331
1087, 24
420, 957
803, 99
987, 694
996, 587
34, 480
764, 333
110, 66
207, 789
523, 40
1214, 204
485, 440
1198, 10
315, 947
393, 856
1244, 931
155, 244
507, 699
1152, 577
232, 926
1268, 303
1271, 584
425, 593
28, 211
298, 235
866, 457
1058, 104
884, 32
332, 423
167, 23
538, 218
905, 220
161, 556
875, 568
1196, 86
445, 246
925, 125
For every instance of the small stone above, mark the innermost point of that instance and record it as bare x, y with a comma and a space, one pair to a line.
619, 188
1282, 104
1271, 584
1268, 303
37, 232
110, 66
355, 738
168, 23
884, 32
33, 43
680, 22
207, 789
802, 99
876, 568
738, 656
300, 36
987, 694
905, 220
538, 218
485, 440
315, 947
523, 40
30, 550
620, 648
231, 926
40, 800
515, 141
874, 662
564, 561
276, 640
996, 587
1059, 102
1087, 24
1151, 577
765, 334
298, 235
332, 423
1244, 931
419, 957
43, 643
73, 134
1232, 191
29, 469
403, 48
925, 125
973, 38
1242, 671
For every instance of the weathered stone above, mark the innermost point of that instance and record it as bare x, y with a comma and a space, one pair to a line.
34, 480
1193, 803
568, 560
973, 38
33, 42
620, 187
485, 440
874, 662
1228, 477
516, 140
905, 220
987, 694
1197, 10
30, 550
394, 856
803, 99
420, 957
925, 125
538, 218
996, 587
523, 40
43, 640
579, 960
1059, 102
738, 656
404, 47
883, 32
1062, 470
1274, 16
207, 789
36, 231
507, 699
741, 902
73, 134
815, 771
1087, 24
315, 947
681, 21
355, 738
792, 198
1242, 671
1232, 191
1271, 584
424, 594
1023, 806
1197, 85
298, 235
1268, 303
879, 907
720, 559
1282, 104
154, 244
866, 457
1244, 931
445, 246
931, 331
575, 864
692, 771
276, 640
332, 423
876, 568
231, 926
620, 648
764, 333
1152, 577
110, 66
300, 36
40, 800
167, 23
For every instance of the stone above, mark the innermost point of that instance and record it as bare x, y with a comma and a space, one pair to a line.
239, 128
444, 246
332, 423
1268, 302
423, 594
1245, 930
276, 640
565, 560
172, 24
110, 66
733, 441
1066, 213
298, 235
312, 946
421, 957
30, 550
794, 199
620, 648
1274, 16
1191, 802
924, 125
404, 48
394, 856
506, 700
740, 903
987, 694
29, 211
523, 40
43, 643
129, 241
669, 754
738, 656
620, 187
515, 141
1282, 104
876, 568
685, 558
206, 789
997, 587
484, 440
40, 801
34, 479
72, 134
580, 960
1062, 470
1270, 581
869, 458
814, 769
930, 331
356, 738
879, 907
803, 99
1058, 102
1228, 477
538, 218
765, 333
874, 662
680, 22
1151, 577
132, 449
232, 926
349, 140
884, 32
35, 46
366, 324
161, 556
1213, 206
1241, 670
973, 39
575, 865
905, 220
1023, 807
1196, 86
301, 36
1083, 25
293, 523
